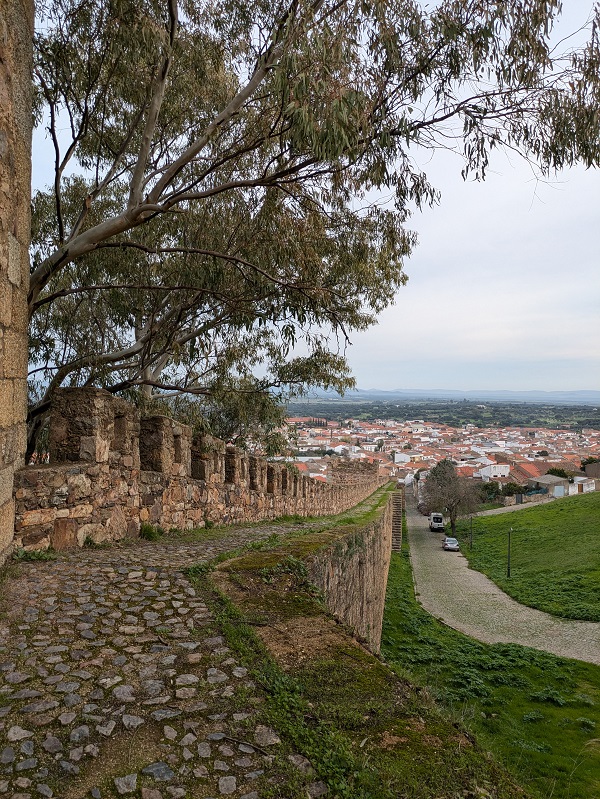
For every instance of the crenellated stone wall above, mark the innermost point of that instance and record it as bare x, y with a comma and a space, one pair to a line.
352, 574
109, 472
16, 35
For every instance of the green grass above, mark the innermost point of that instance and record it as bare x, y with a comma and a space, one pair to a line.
555, 555
490, 506
538, 714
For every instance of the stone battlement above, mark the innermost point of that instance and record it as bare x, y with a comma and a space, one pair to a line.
110, 471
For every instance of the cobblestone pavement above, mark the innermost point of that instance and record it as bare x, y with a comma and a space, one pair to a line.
115, 682
469, 602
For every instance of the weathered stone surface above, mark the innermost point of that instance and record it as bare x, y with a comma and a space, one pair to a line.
302, 763
16, 24
265, 736
64, 533
124, 693
127, 784
227, 785
202, 749
17, 733
52, 744
131, 722
316, 789
106, 729
80, 734
160, 771
353, 579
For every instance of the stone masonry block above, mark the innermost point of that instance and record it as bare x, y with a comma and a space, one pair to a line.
64, 534
7, 415
6, 484
81, 425
157, 445
12, 446
274, 471
232, 465
6, 296
14, 260
182, 448
19, 320
7, 527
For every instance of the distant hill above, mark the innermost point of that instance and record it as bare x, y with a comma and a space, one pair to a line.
543, 397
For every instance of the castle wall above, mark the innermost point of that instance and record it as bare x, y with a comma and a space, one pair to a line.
109, 472
16, 33
352, 574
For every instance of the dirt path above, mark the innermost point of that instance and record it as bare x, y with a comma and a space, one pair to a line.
467, 601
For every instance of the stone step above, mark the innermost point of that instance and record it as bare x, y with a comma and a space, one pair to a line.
397, 509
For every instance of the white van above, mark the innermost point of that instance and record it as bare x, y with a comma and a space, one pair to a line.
436, 522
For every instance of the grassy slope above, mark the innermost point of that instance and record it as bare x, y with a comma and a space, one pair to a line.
555, 555
368, 734
537, 713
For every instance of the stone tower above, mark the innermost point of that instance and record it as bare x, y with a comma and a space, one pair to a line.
16, 34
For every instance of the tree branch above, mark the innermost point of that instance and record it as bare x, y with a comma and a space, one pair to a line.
158, 94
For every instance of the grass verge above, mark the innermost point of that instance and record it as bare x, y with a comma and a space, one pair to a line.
538, 714
555, 558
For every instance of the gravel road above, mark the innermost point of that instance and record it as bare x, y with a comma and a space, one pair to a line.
467, 601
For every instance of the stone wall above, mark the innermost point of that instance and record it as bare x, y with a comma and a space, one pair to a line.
109, 472
528, 499
16, 32
352, 574
593, 470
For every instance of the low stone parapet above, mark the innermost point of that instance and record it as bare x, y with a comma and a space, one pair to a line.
352, 575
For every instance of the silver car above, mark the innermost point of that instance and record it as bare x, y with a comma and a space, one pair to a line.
450, 544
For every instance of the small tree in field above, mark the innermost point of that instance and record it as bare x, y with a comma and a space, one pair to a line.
448, 491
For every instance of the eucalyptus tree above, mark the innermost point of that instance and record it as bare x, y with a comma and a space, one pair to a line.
233, 179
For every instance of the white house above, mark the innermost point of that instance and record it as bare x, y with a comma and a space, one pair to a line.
582, 485
492, 471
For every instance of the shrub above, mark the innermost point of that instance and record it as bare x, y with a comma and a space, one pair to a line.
150, 532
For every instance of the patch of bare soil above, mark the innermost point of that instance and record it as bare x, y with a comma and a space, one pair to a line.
290, 641
296, 640
389, 741
121, 755
461, 740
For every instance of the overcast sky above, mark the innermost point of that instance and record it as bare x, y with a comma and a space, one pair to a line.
504, 288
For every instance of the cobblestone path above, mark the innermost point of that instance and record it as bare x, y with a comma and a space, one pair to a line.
469, 602
115, 681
